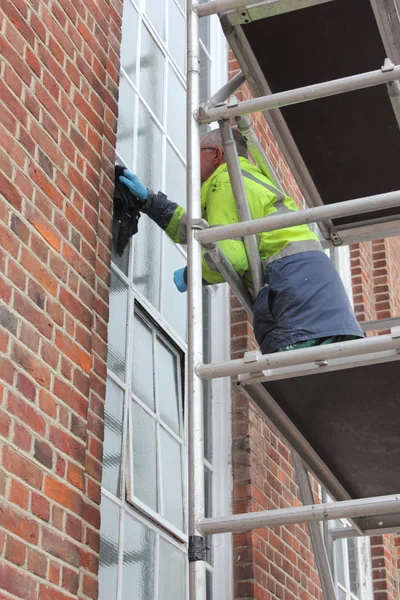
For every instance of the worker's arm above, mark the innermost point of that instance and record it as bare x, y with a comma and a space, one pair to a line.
173, 219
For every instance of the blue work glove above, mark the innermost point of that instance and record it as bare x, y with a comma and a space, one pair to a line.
134, 185
180, 279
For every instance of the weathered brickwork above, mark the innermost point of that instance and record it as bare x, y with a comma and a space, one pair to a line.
58, 87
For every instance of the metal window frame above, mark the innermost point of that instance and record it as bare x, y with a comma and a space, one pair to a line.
363, 512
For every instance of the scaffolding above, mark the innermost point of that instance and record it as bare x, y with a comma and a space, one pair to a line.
276, 384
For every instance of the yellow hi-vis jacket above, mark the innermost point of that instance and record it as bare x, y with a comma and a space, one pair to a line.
219, 208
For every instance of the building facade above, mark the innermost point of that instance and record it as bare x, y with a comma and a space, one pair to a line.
93, 434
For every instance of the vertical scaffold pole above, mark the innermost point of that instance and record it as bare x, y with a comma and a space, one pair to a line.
317, 540
197, 550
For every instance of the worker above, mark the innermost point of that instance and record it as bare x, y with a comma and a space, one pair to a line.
303, 301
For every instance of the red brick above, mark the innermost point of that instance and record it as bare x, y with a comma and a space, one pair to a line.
19, 494
15, 551
22, 437
17, 583
34, 316
70, 580
63, 494
40, 506
18, 524
26, 412
73, 351
37, 563
59, 547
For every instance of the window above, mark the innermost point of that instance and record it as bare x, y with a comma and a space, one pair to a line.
352, 568
144, 502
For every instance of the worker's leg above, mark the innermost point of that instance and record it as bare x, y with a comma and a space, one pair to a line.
319, 342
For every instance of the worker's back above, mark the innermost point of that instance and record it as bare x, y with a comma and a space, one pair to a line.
219, 208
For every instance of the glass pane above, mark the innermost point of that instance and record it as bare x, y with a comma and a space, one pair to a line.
148, 160
205, 69
117, 328
112, 437
204, 26
177, 35
167, 386
208, 511
176, 124
144, 456
126, 107
354, 573
120, 261
147, 260
209, 583
171, 468
142, 363
109, 540
172, 577
182, 4
138, 567
175, 178
152, 73
207, 383
155, 10
174, 302
129, 37
342, 594
339, 562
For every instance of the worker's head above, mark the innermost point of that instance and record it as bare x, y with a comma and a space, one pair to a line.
212, 153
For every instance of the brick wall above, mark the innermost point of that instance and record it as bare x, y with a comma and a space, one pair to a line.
58, 85
279, 563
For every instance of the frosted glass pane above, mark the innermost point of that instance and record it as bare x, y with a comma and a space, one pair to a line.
209, 585
177, 35
152, 73
112, 437
339, 562
142, 365
174, 302
207, 384
117, 326
205, 71
208, 511
146, 260
109, 540
354, 572
126, 106
120, 261
176, 121
342, 595
155, 10
175, 178
172, 577
129, 38
148, 161
171, 465
144, 456
204, 28
167, 386
138, 566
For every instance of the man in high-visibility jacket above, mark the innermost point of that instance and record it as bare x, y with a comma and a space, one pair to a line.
303, 302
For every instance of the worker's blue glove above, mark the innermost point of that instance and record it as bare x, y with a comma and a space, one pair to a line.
180, 279
134, 185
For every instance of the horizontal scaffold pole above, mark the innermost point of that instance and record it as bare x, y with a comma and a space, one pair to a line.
304, 94
217, 7
300, 217
261, 362
380, 505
